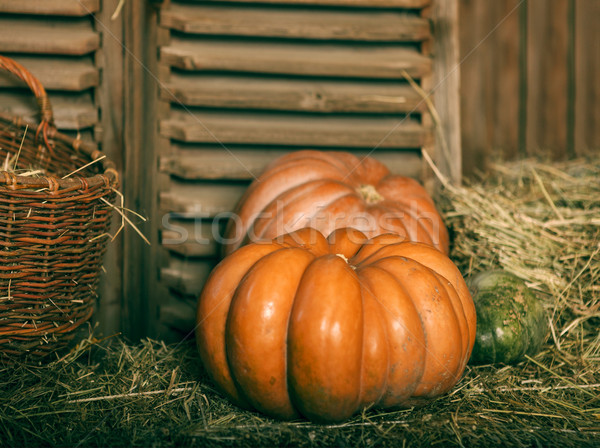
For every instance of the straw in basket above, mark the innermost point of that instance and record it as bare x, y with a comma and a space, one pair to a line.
54, 218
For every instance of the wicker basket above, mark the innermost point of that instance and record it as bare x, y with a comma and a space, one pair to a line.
55, 212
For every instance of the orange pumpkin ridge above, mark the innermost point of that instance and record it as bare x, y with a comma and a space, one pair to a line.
325, 327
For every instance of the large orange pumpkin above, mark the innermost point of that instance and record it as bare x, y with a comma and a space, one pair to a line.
332, 190
322, 328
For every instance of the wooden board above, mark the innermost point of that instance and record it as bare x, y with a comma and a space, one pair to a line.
56, 73
68, 37
186, 275
291, 23
207, 201
111, 312
354, 3
294, 130
587, 70
530, 86
295, 59
446, 89
490, 76
178, 313
190, 238
50, 7
245, 92
547, 97
216, 162
142, 290
71, 111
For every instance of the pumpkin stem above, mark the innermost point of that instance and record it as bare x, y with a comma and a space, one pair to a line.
343, 257
369, 194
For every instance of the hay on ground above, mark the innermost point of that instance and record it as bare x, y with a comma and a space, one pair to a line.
539, 221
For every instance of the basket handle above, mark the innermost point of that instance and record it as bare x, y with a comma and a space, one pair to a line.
47, 118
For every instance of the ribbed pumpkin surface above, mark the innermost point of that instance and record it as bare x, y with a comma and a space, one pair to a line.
332, 190
321, 328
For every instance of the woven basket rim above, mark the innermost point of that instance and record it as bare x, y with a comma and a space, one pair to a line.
110, 176
46, 129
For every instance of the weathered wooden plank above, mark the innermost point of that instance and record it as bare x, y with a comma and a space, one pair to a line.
355, 3
200, 201
295, 130
300, 24
384, 61
215, 162
490, 72
191, 238
54, 7
503, 102
473, 81
68, 37
587, 70
56, 73
446, 82
207, 200
178, 313
142, 290
547, 76
110, 312
71, 111
430, 181
323, 95
186, 275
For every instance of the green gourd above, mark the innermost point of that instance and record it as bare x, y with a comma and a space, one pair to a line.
511, 321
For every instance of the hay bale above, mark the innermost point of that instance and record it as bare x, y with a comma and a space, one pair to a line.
542, 223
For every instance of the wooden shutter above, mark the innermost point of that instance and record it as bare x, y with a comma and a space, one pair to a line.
243, 82
57, 42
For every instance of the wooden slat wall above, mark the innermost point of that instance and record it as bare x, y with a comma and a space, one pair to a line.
207, 162
50, 7
489, 115
56, 41
529, 79
244, 82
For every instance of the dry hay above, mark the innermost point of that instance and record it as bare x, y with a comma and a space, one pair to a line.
110, 393
542, 223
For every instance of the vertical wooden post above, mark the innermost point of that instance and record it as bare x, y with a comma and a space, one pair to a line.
547, 85
587, 68
429, 180
522, 123
445, 87
491, 80
109, 99
140, 272
570, 79
473, 119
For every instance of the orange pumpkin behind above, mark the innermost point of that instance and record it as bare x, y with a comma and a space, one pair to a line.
332, 190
